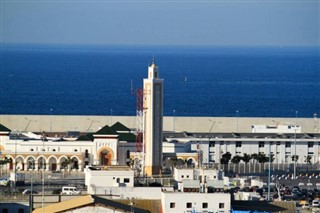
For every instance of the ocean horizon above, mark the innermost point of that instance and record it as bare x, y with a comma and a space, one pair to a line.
198, 81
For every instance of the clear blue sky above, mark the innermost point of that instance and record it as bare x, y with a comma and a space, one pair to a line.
250, 23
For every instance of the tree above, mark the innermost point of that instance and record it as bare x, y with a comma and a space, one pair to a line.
294, 158
235, 160
225, 159
66, 163
5, 161
261, 158
308, 159
246, 159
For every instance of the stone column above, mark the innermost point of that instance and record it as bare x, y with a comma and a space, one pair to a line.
58, 166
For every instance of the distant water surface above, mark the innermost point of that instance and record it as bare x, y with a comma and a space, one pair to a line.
198, 81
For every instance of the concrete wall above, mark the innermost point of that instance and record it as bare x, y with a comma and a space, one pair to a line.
177, 202
63, 123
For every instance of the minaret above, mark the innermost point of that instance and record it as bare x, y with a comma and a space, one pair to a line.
153, 107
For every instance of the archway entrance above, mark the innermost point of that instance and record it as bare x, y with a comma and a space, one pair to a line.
105, 157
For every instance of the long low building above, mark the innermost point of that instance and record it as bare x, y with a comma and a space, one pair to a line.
115, 145
86, 123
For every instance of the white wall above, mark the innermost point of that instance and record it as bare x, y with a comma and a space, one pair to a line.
179, 200
39, 123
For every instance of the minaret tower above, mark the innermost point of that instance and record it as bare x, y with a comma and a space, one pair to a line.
153, 107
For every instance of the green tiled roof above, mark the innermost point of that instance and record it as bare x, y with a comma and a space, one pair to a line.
4, 129
130, 137
87, 137
106, 130
120, 127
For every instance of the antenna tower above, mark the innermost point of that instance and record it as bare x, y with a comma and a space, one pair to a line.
139, 120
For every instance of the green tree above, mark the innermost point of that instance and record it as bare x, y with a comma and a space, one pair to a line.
261, 158
294, 158
66, 163
308, 159
225, 158
235, 160
5, 161
246, 159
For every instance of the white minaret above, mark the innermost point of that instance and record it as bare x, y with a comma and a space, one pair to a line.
153, 107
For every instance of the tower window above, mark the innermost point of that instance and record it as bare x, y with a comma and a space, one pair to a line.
172, 205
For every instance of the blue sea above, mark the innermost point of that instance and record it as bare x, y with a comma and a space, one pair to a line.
198, 81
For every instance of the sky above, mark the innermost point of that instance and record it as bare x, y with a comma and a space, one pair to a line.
223, 23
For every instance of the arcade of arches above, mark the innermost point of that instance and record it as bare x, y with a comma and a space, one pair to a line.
43, 162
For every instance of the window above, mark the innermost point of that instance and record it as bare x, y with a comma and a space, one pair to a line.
182, 176
172, 205
126, 180
204, 205
86, 154
75, 150
187, 176
288, 144
54, 150
128, 154
118, 180
278, 143
261, 144
189, 205
238, 144
310, 144
212, 144
221, 143
31, 150
221, 205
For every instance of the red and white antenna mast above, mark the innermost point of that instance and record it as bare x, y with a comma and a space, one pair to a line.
139, 120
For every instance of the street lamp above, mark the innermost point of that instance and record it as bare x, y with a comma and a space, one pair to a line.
295, 148
15, 159
269, 170
131, 205
43, 165
31, 185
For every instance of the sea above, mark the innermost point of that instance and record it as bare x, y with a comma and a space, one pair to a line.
198, 80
